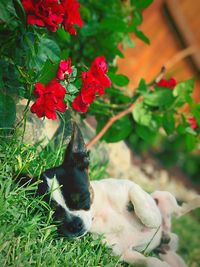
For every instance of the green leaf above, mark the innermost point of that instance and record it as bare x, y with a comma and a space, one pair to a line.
141, 4
7, 111
48, 72
159, 98
117, 96
64, 54
190, 141
141, 36
63, 35
185, 87
114, 23
119, 79
4, 11
168, 122
72, 89
118, 131
19, 10
48, 49
141, 115
142, 88
73, 74
137, 17
144, 117
144, 132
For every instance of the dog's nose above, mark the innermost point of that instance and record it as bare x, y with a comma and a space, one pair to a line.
76, 225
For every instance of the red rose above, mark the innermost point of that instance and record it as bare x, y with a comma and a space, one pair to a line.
90, 87
93, 83
193, 123
64, 69
49, 99
99, 70
44, 13
167, 83
79, 105
71, 15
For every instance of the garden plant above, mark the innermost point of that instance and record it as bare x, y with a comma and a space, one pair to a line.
60, 56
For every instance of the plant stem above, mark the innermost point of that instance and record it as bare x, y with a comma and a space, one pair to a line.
109, 123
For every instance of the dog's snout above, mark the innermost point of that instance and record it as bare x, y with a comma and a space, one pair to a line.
76, 225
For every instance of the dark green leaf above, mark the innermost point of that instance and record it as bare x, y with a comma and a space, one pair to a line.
141, 4
168, 122
118, 131
19, 10
64, 54
144, 132
4, 11
142, 88
159, 98
119, 79
48, 72
114, 23
137, 17
7, 111
190, 141
48, 49
63, 35
141, 36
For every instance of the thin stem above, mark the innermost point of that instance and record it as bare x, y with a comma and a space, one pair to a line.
109, 124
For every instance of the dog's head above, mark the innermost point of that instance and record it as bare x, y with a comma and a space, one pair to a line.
70, 188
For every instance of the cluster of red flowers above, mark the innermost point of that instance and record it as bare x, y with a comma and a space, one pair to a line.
51, 13
171, 83
93, 82
51, 97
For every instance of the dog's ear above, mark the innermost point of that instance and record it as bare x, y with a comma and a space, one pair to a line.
76, 153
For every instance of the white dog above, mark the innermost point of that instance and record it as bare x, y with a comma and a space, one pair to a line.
133, 222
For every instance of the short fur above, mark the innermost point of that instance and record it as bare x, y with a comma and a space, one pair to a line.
131, 220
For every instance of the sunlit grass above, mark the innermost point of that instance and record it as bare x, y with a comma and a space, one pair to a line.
28, 236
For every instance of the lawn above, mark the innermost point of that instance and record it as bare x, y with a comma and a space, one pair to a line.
28, 236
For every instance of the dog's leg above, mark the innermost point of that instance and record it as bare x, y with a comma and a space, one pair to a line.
172, 258
145, 207
134, 257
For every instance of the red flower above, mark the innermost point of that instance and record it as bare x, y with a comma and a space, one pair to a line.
64, 69
193, 123
49, 99
94, 81
167, 83
99, 70
79, 105
71, 15
44, 13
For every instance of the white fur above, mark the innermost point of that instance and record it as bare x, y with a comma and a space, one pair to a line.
57, 196
130, 234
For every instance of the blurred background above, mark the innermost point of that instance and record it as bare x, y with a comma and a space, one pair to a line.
172, 27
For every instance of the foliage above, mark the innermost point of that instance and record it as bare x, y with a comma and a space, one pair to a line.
31, 55
28, 233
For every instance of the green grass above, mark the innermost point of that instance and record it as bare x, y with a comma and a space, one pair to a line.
28, 236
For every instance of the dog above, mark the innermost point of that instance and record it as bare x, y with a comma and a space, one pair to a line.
133, 223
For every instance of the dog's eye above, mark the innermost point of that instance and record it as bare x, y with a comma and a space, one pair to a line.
75, 197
